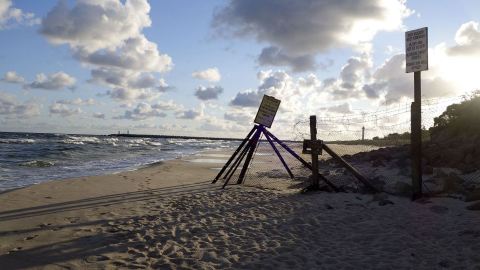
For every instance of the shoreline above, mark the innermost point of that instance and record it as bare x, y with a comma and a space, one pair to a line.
127, 169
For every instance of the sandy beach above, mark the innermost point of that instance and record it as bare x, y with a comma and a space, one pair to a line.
169, 216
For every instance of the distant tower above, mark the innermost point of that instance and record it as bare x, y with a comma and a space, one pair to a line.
363, 133
128, 131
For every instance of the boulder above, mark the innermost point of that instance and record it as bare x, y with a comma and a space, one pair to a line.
402, 188
472, 195
474, 206
453, 184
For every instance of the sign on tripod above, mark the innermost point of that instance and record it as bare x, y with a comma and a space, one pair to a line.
267, 111
416, 50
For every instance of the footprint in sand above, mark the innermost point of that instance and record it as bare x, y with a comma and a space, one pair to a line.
96, 258
15, 250
30, 237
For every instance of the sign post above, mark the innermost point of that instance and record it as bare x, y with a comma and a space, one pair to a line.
416, 58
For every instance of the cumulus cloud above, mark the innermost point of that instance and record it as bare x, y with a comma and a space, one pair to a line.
10, 16
55, 81
169, 105
209, 74
141, 112
467, 40
297, 31
188, 114
273, 56
208, 93
13, 77
107, 36
128, 94
63, 110
77, 101
99, 115
248, 98
11, 108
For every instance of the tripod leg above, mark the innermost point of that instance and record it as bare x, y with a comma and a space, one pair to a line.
234, 154
278, 154
253, 145
235, 165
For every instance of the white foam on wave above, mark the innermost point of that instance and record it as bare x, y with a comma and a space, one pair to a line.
18, 141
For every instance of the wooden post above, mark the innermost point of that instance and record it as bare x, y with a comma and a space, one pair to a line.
416, 137
313, 138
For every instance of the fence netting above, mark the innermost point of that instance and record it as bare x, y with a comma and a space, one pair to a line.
375, 143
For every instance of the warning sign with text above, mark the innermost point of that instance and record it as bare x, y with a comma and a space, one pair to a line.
416, 50
267, 111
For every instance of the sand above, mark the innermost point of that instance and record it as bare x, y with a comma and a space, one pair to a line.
169, 216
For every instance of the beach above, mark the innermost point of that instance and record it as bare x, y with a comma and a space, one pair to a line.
168, 216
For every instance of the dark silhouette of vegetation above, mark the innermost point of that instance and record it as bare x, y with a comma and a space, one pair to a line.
462, 118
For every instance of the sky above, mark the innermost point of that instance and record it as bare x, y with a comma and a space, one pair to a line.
201, 67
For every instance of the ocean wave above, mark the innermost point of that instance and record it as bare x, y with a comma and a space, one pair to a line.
37, 164
17, 141
154, 143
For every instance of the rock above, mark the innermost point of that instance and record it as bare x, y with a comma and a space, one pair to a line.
379, 197
385, 202
452, 183
377, 182
402, 188
473, 196
377, 163
444, 263
474, 206
438, 209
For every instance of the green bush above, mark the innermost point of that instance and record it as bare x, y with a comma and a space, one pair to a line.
462, 118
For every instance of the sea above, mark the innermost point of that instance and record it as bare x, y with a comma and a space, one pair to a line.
32, 158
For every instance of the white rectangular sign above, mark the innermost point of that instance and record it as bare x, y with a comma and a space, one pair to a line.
267, 111
416, 50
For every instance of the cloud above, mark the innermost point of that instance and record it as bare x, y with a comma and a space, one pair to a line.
239, 116
391, 82
141, 112
167, 106
55, 81
273, 56
128, 94
11, 108
107, 36
63, 110
77, 101
10, 16
343, 108
208, 93
467, 40
296, 31
188, 114
99, 115
210, 74
248, 98
137, 54
13, 77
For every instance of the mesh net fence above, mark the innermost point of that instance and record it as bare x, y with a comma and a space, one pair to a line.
376, 144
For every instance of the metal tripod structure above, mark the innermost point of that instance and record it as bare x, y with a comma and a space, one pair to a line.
247, 149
